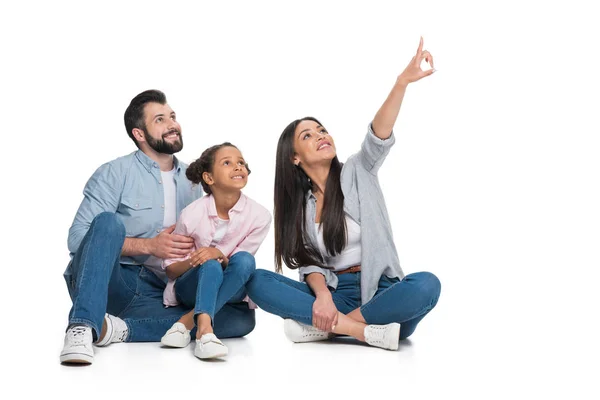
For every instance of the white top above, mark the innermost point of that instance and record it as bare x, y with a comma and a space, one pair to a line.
220, 231
168, 179
169, 217
351, 255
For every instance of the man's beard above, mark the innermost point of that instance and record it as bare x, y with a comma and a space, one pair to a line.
161, 145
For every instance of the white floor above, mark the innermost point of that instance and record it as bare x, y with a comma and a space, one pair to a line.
453, 353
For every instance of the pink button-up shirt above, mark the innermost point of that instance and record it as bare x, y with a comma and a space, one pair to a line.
248, 226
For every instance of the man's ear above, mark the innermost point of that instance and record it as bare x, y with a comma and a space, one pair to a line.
138, 134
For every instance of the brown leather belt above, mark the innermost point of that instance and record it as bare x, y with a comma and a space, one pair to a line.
356, 268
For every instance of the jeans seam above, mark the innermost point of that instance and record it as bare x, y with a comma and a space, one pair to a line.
81, 275
128, 306
131, 326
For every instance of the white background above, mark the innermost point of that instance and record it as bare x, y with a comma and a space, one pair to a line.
493, 184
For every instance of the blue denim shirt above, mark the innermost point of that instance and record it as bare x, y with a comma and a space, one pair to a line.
364, 203
131, 187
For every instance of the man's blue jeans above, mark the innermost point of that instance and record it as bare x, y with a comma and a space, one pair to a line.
207, 288
98, 283
404, 301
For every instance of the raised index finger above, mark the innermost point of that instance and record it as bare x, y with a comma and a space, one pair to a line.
420, 49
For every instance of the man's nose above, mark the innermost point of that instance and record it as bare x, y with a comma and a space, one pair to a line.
173, 124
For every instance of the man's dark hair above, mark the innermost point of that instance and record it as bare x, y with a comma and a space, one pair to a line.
134, 115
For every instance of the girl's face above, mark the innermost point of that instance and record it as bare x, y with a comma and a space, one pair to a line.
229, 170
312, 144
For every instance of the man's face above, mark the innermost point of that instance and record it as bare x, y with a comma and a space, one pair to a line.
162, 131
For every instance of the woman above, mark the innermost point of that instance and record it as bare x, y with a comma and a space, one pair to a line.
331, 223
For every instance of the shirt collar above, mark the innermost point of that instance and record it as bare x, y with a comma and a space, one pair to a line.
238, 207
149, 163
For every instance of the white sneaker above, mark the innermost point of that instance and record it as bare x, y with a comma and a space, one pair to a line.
299, 333
116, 331
78, 345
209, 346
176, 336
384, 336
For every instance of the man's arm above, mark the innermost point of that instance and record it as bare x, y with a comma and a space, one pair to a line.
102, 193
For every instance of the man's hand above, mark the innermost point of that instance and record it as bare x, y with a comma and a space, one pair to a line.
203, 254
169, 245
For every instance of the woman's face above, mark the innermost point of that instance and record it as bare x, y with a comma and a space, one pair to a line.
312, 144
229, 170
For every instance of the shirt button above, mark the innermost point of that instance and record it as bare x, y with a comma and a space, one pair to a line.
158, 231
136, 206
163, 206
160, 181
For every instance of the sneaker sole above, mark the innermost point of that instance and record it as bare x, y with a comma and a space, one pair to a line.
174, 342
209, 356
76, 358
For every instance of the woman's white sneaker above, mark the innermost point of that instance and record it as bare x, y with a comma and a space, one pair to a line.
78, 346
209, 346
384, 336
177, 336
300, 333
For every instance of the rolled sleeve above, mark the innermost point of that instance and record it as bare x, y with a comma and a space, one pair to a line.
331, 279
374, 150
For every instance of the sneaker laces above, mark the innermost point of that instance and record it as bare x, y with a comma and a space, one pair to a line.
120, 337
77, 334
311, 331
376, 333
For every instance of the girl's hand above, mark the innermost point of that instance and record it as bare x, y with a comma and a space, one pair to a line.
325, 314
204, 254
413, 71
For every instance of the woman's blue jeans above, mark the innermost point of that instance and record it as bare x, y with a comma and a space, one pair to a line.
99, 284
404, 301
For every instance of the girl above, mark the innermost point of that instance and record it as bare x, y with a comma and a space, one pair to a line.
227, 228
332, 224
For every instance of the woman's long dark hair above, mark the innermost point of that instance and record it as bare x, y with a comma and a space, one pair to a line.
291, 186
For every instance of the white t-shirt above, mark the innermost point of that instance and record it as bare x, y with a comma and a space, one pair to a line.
220, 231
352, 253
170, 216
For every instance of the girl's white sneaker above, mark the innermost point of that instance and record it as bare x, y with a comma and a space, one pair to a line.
209, 346
177, 336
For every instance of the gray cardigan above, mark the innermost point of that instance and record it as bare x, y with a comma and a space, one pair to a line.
364, 203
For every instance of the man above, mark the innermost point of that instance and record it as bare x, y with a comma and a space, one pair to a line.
122, 231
